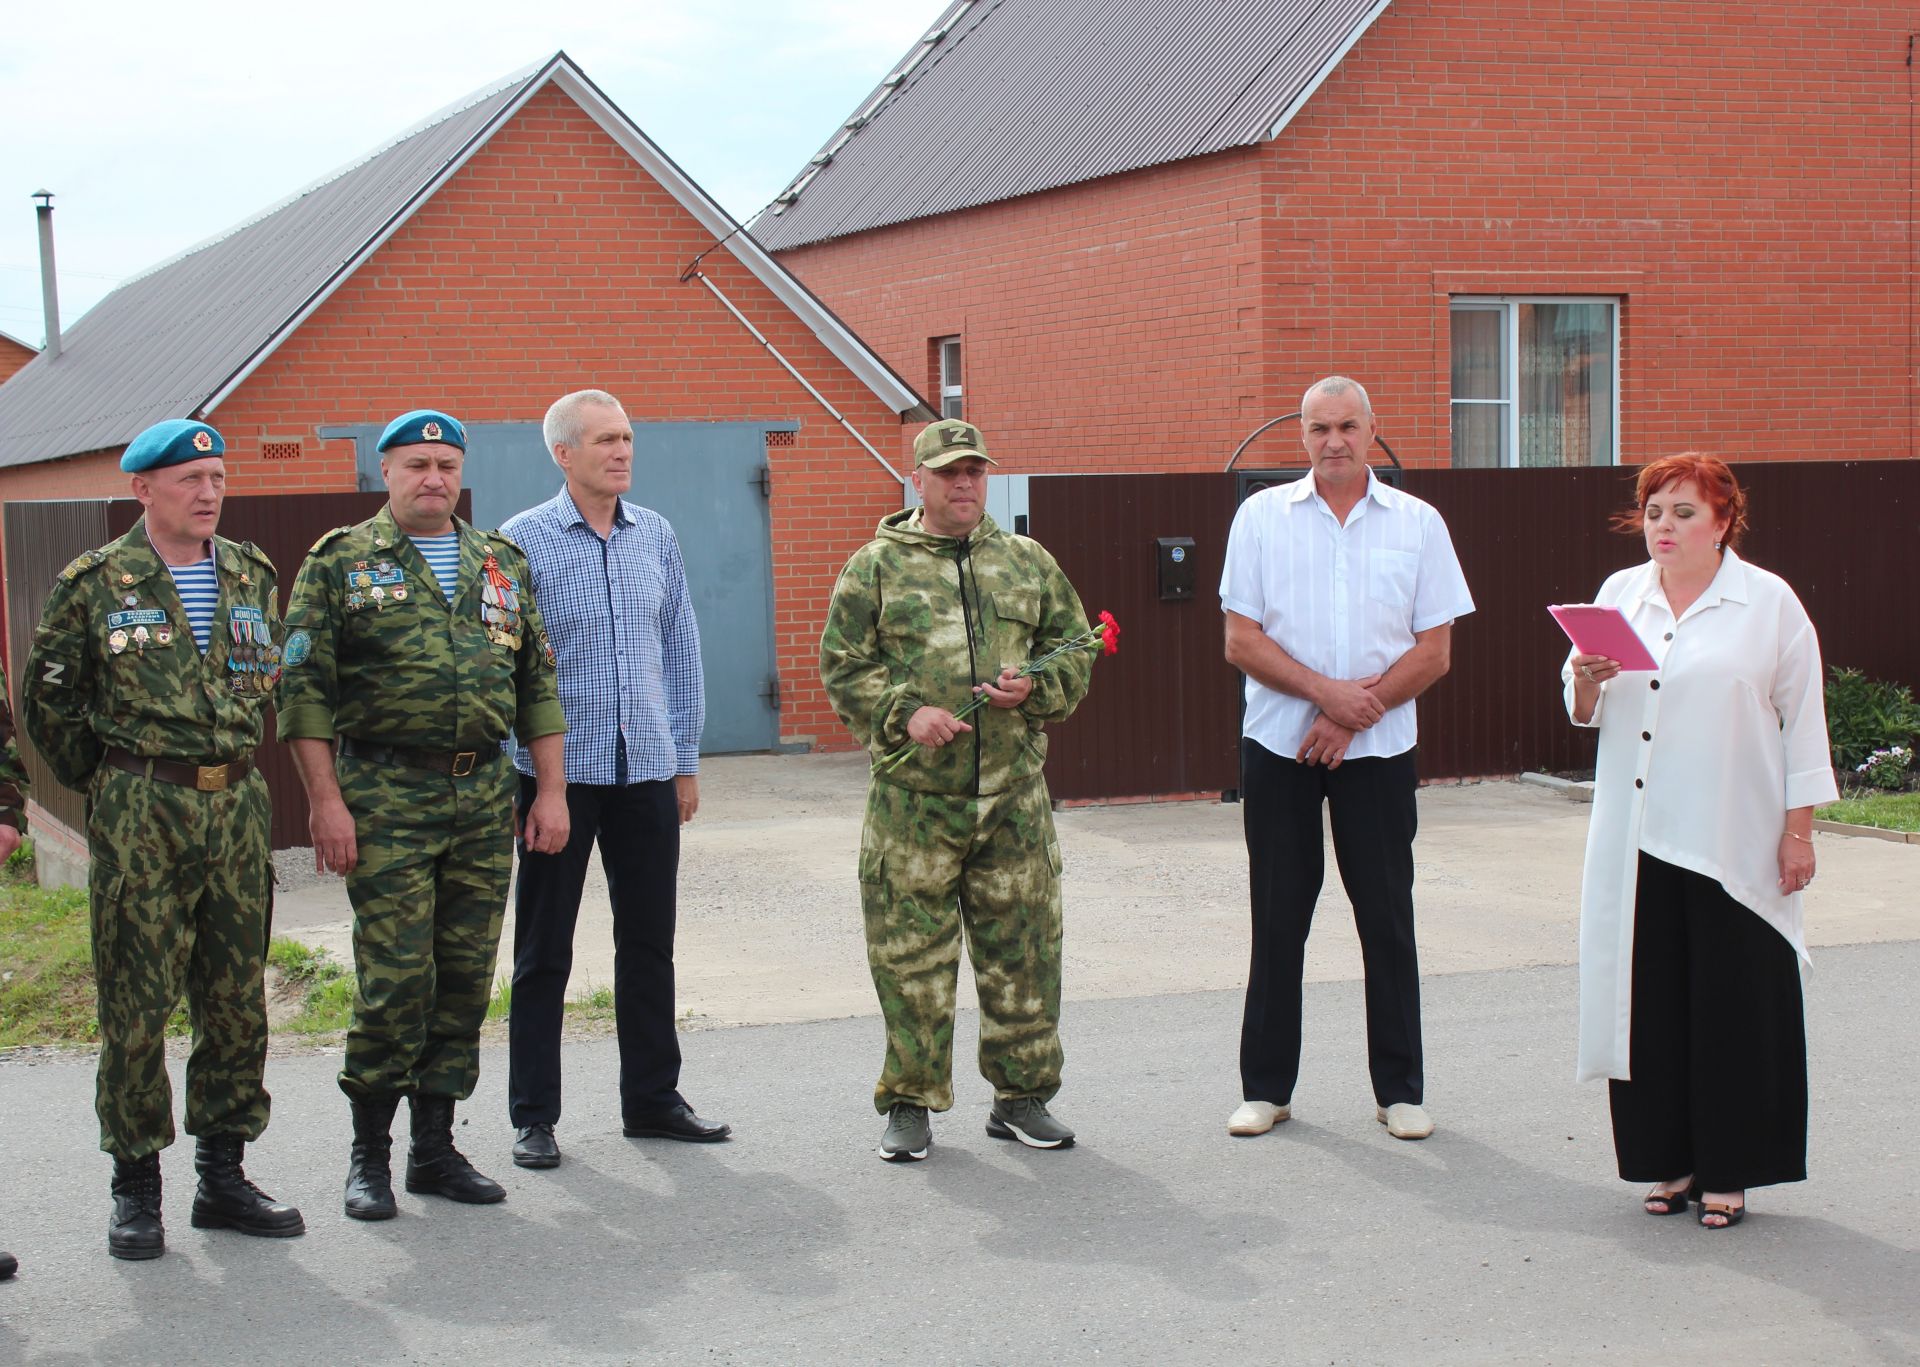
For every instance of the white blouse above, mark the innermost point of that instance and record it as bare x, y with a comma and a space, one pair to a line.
1699, 763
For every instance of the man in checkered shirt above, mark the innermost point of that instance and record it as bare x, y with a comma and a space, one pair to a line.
609, 580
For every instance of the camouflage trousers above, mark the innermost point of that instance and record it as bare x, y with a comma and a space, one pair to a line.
933, 866
429, 895
181, 895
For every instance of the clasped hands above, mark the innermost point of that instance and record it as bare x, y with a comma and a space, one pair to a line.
1347, 707
933, 727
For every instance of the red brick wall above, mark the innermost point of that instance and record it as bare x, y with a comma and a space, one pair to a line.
550, 262
1739, 173
13, 355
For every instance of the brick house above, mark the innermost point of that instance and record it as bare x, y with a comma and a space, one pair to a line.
527, 241
14, 354
1121, 234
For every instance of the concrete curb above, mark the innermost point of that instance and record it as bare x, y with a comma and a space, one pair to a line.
1871, 832
1574, 790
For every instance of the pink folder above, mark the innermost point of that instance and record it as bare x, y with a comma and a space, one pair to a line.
1598, 630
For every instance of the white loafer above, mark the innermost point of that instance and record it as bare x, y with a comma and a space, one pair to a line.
1256, 1117
1404, 1120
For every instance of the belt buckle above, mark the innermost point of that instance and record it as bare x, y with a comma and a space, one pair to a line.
211, 778
463, 763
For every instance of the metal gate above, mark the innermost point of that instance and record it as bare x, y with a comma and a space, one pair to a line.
710, 480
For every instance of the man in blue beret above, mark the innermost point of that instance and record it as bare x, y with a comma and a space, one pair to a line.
414, 648
152, 670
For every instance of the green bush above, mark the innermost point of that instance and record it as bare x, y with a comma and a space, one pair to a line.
1864, 715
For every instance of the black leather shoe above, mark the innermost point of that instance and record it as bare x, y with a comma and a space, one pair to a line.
370, 1161
676, 1122
8, 1266
227, 1200
135, 1232
534, 1147
435, 1167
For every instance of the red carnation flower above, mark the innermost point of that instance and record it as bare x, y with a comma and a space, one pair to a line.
1109, 634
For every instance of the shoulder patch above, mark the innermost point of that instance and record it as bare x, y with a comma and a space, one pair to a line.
83, 562
326, 537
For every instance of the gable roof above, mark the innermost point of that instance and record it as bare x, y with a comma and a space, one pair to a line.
178, 339
1006, 97
6, 336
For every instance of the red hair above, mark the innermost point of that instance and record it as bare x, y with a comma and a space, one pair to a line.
1711, 475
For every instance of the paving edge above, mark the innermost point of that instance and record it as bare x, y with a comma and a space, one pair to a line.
1573, 789
1871, 832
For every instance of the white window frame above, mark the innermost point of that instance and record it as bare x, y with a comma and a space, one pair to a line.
1508, 307
952, 385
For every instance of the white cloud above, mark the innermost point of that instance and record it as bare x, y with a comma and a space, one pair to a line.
159, 126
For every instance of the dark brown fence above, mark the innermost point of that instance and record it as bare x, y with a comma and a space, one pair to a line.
42, 537
1163, 715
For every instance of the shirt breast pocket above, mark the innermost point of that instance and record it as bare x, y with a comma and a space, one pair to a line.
1390, 577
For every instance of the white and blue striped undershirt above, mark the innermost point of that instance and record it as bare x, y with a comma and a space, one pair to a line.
442, 555
199, 590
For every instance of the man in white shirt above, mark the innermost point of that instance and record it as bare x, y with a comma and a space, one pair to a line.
1340, 595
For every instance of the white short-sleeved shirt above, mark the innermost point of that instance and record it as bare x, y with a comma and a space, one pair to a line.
1345, 601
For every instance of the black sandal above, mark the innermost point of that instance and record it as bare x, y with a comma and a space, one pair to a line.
1671, 1202
1733, 1215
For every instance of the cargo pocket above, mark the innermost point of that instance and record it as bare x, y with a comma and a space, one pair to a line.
873, 866
1053, 858
106, 884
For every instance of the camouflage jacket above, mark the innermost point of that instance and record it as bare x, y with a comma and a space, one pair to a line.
375, 650
13, 778
115, 665
914, 622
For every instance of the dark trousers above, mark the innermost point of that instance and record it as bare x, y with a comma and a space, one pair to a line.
637, 826
1718, 1050
1371, 803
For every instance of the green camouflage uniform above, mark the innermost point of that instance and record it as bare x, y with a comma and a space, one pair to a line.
376, 653
13, 778
961, 835
181, 881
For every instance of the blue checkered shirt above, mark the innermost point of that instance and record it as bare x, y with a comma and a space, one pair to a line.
621, 622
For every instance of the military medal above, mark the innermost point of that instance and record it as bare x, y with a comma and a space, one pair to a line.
376, 593
400, 594
355, 602
117, 642
141, 636
132, 600
164, 635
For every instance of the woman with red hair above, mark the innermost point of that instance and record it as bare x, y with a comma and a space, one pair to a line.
1700, 846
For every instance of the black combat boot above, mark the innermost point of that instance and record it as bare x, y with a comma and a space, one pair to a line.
135, 1232
434, 1166
8, 1266
227, 1200
370, 1168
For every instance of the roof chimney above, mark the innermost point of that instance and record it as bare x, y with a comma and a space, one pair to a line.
49, 291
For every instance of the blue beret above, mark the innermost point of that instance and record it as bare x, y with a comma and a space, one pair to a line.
423, 425
173, 442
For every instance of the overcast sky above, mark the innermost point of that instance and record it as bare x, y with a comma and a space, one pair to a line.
158, 126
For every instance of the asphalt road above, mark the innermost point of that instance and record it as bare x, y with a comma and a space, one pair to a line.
1503, 1239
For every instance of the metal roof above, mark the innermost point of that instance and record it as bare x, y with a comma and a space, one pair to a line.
1007, 97
176, 340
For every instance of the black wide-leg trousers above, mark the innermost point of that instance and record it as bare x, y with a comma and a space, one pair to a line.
1718, 1050
1371, 805
637, 827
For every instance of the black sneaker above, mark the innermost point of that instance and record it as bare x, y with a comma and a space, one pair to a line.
909, 1134
1025, 1118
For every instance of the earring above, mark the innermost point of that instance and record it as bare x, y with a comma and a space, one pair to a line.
1716, 545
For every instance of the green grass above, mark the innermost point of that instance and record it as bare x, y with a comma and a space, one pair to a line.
1887, 811
46, 976
46, 969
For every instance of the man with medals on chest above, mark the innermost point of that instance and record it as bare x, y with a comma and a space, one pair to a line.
413, 648
147, 687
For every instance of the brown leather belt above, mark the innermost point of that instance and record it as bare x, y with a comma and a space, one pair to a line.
455, 763
207, 778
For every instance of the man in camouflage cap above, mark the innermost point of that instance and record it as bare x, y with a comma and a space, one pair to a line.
942, 605
413, 648
13, 825
152, 669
